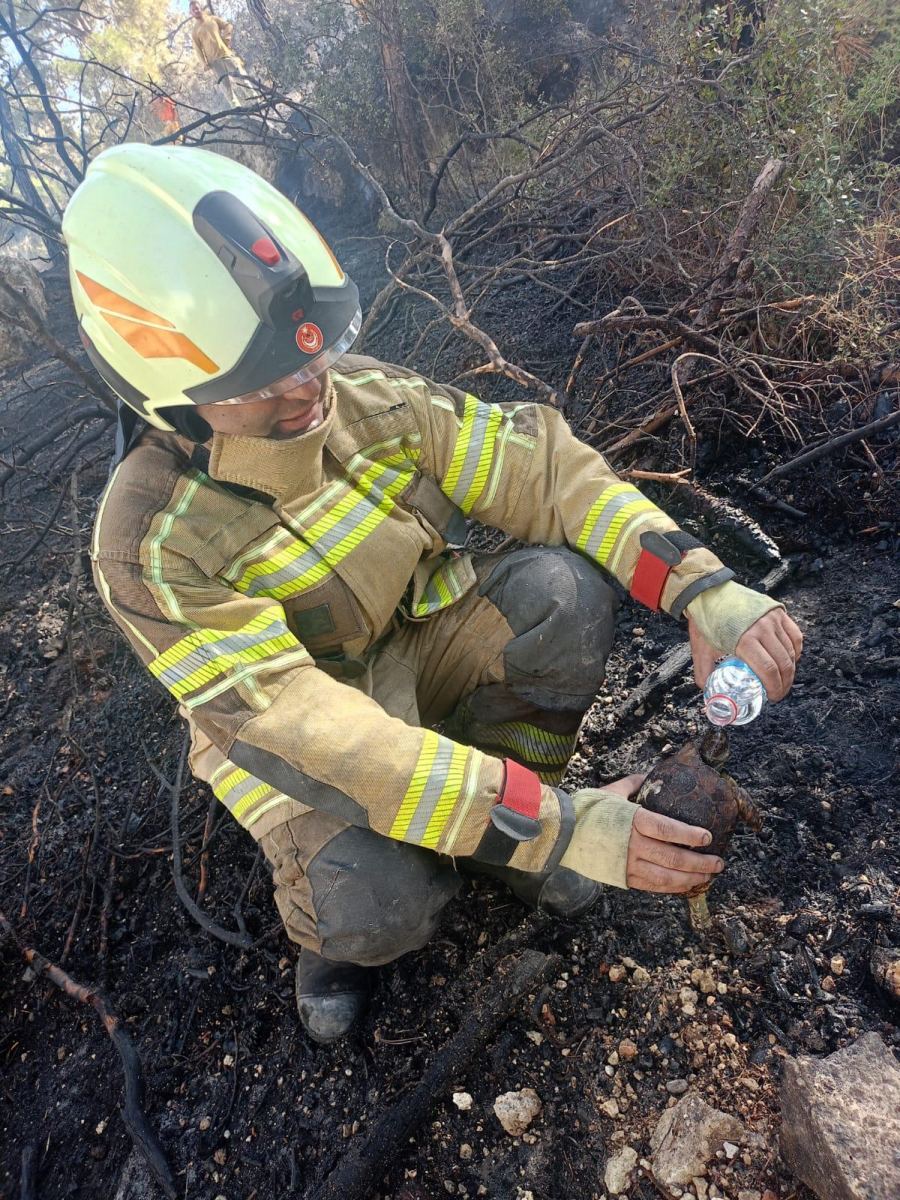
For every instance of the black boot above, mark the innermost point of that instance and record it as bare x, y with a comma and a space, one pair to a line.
331, 996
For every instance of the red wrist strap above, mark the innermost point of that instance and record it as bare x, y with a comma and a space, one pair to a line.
649, 579
521, 790
660, 552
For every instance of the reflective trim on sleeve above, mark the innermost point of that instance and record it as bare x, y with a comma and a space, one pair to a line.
473, 453
208, 654
609, 518
437, 783
244, 795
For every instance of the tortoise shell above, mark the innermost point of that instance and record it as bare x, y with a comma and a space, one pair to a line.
689, 786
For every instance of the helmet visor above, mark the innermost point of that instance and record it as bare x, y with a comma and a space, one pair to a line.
313, 368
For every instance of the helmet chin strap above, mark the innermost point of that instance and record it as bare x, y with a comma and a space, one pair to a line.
188, 422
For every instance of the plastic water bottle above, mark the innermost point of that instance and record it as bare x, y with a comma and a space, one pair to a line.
734, 694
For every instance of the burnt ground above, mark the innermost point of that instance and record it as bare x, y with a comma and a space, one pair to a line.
244, 1104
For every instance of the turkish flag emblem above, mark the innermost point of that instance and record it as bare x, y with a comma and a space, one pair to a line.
309, 338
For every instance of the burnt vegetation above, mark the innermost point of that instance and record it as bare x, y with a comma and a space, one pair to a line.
678, 227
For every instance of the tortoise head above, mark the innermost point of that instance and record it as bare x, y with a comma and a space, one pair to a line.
714, 748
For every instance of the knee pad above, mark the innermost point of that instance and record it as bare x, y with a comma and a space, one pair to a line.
562, 612
376, 899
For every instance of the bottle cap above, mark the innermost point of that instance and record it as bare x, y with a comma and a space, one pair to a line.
719, 699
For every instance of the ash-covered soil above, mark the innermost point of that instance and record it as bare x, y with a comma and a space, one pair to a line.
640, 1006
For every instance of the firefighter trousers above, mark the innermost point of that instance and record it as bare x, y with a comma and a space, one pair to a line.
510, 668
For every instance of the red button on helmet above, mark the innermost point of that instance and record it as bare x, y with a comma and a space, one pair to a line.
266, 251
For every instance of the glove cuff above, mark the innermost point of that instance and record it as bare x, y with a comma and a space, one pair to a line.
599, 846
723, 614
530, 826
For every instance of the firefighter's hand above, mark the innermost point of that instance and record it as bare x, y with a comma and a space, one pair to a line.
770, 647
658, 860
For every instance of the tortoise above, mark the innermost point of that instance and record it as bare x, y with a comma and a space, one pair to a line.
690, 786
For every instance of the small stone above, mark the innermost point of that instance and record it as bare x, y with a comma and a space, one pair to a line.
627, 1050
220, 1156
837, 964
204, 1124
534, 1036
463, 1101
704, 981
466, 1152
640, 976
228, 1060
828, 984
730, 1149
616, 974
687, 1137
610, 1108
701, 1188
730, 1040
613, 1058
516, 1110
749, 1194
629, 963
677, 1087
619, 1170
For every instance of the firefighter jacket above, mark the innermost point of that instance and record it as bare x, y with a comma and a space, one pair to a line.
252, 574
211, 36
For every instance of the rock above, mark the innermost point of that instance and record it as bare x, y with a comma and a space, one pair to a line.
840, 1121
466, 1152
610, 1108
462, 1100
701, 1187
640, 977
616, 974
677, 1087
627, 1050
136, 1182
15, 343
730, 1149
516, 1110
619, 1170
884, 964
686, 1137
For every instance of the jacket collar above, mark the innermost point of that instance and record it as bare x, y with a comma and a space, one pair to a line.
281, 469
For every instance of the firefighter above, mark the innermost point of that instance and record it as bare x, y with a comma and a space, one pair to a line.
280, 543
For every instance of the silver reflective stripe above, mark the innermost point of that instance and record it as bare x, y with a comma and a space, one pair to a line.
207, 653
605, 519
437, 780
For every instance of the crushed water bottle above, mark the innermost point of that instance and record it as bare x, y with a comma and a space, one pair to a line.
734, 694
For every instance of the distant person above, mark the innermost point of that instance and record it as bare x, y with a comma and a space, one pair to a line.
212, 42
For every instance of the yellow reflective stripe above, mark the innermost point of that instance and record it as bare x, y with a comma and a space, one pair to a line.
657, 516
476, 487
448, 797
264, 551
430, 743
278, 798
234, 775
451, 479
205, 654
474, 761
614, 489
250, 799
246, 675
156, 574
499, 455
615, 525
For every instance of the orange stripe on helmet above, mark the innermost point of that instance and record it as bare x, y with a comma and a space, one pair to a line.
160, 343
105, 297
